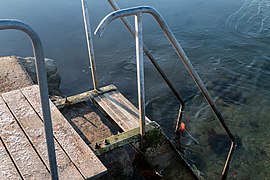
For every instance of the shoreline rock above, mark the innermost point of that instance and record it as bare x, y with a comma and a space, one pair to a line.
53, 77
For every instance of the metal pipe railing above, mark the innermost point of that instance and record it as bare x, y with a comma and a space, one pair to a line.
43, 88
146, 9
140, 73
89, 40
154, 62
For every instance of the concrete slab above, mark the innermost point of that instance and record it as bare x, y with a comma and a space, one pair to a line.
12, 75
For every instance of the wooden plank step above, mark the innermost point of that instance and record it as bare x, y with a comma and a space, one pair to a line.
120, 110
34, 129
77, 150
26, 159
7, 168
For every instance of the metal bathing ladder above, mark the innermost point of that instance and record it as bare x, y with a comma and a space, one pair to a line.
140, 47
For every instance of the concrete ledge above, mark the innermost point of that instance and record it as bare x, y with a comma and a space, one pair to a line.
12, 74
17, 72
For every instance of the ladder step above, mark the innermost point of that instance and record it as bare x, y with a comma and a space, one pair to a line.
120, 110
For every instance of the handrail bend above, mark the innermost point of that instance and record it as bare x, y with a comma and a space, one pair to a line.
163, 25
42, 82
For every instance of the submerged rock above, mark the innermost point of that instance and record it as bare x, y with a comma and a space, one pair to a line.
118, 164
220, 143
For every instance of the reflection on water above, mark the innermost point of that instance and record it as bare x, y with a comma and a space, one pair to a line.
252, 18
227, 42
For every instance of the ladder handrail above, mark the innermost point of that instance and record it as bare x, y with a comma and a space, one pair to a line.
43, 87
89, 40
146, 9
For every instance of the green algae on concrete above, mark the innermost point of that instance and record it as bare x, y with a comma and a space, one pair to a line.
85, 96
162, 155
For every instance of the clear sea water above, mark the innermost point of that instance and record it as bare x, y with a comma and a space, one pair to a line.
226, 40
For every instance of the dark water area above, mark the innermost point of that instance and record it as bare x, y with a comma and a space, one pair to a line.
226, 40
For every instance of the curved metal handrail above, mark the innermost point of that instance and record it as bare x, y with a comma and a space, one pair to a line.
43, 87
146, 9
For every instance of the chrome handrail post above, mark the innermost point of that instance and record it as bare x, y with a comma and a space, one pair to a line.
140, 73
89, 39
43, 87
